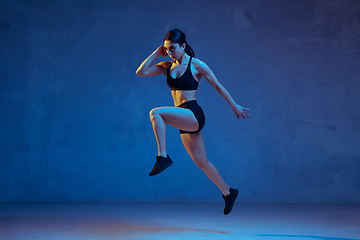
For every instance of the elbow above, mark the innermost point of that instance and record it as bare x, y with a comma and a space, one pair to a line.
139, 73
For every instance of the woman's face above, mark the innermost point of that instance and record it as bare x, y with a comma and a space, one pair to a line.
174, 50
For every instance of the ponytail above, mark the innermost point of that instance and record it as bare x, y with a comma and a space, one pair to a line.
177, 36
189, 50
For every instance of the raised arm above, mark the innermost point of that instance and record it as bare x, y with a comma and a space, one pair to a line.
147, 70
206, 72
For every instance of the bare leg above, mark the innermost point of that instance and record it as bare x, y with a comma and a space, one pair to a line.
177, 117
194, 145
159, 131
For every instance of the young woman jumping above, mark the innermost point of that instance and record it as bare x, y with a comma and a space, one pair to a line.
183, 76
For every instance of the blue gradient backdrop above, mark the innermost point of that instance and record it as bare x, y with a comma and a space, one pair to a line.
74, 116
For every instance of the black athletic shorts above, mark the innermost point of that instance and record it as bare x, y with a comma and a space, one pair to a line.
198, 112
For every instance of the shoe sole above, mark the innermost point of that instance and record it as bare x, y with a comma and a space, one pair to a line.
163, 169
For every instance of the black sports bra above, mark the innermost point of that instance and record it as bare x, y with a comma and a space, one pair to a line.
185, 82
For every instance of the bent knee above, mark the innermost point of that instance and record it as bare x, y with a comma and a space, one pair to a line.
154, 113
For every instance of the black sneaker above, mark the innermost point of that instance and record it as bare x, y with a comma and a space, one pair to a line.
229, 200
161, 164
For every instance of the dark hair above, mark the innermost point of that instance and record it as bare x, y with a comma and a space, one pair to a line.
177, 36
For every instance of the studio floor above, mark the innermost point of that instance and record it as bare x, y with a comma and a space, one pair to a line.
178, 221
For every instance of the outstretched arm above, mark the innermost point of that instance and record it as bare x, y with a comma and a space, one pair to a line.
147, 70
206, 72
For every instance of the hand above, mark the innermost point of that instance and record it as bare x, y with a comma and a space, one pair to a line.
161, 51
241, 112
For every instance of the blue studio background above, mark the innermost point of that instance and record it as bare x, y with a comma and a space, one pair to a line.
74, 118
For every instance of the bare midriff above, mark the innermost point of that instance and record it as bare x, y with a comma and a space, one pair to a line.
183, 96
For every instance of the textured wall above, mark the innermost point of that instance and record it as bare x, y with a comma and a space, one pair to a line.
74, 116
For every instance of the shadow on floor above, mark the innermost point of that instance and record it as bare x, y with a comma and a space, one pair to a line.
305, 236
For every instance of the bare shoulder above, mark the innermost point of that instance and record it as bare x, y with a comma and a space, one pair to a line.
200, 65
165, 64
196, 61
